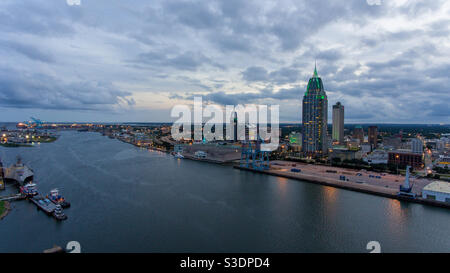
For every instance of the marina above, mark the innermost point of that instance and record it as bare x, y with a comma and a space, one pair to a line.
21, 176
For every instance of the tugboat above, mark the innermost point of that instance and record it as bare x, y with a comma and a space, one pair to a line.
57, 199
29, 190
58, 213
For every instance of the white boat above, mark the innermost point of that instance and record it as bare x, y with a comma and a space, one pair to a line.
58, 213
178, 155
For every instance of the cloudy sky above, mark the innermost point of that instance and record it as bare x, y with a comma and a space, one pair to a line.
119, 60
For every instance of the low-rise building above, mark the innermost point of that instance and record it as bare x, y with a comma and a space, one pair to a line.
405, 158
345, 154
443, 162
377, 157
393, 142
439, 191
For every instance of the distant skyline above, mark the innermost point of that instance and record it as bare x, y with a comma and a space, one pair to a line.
116, 61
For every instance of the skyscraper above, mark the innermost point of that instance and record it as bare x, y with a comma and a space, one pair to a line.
314, 123
358, 133
338, 123
235, 128
373, 136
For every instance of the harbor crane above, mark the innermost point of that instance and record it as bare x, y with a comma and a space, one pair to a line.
406, 188
259, 159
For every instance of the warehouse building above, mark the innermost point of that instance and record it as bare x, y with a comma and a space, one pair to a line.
439, 191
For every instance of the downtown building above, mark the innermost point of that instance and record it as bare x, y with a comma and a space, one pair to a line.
314, 118
338, 123
373, 136
358, 133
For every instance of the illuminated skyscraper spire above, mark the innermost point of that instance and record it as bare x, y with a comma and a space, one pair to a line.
315, 70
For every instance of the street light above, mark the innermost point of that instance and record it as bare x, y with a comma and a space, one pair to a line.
396, 161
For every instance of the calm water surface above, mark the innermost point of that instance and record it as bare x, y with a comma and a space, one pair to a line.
126, 199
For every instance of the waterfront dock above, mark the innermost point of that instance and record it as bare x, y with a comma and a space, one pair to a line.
347, 185
44, 204
12, 197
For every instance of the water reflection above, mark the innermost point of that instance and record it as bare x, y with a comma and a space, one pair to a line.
282, 185
330, 195
398, 214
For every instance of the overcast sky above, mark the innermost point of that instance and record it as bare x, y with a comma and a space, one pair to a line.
121, 60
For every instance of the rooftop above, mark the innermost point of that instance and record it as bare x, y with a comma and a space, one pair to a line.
438, 187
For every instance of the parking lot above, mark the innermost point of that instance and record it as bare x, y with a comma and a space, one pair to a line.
383, 180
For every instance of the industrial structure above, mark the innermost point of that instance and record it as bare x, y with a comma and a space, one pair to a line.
406, 188
253, 157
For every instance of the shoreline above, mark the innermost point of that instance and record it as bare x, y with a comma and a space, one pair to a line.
7, 207
324, 181
368, 189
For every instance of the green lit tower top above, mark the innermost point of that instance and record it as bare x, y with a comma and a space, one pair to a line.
315, 117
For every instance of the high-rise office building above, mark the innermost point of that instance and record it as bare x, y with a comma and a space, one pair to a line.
338, 123
314, 118
373, 136
235, 128
417, 146
358, 133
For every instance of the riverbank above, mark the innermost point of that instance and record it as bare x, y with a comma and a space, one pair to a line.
4, 209
357, 187
14, 145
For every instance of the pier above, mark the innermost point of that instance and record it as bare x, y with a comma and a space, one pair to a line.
12, 197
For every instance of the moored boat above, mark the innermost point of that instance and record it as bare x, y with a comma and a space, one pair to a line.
58, 213
57, 199
29, 190
178, 155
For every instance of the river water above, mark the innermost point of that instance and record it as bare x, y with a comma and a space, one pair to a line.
126, 199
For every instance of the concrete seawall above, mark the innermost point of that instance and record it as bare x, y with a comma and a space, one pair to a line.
363, 188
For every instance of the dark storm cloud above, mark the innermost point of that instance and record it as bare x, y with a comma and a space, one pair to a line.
26, 50
254, 74
280, 76
225, 44
19, 90
439, 28
185, 61
51, 18
224, 98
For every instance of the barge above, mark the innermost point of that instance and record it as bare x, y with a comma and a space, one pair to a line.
44, 204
